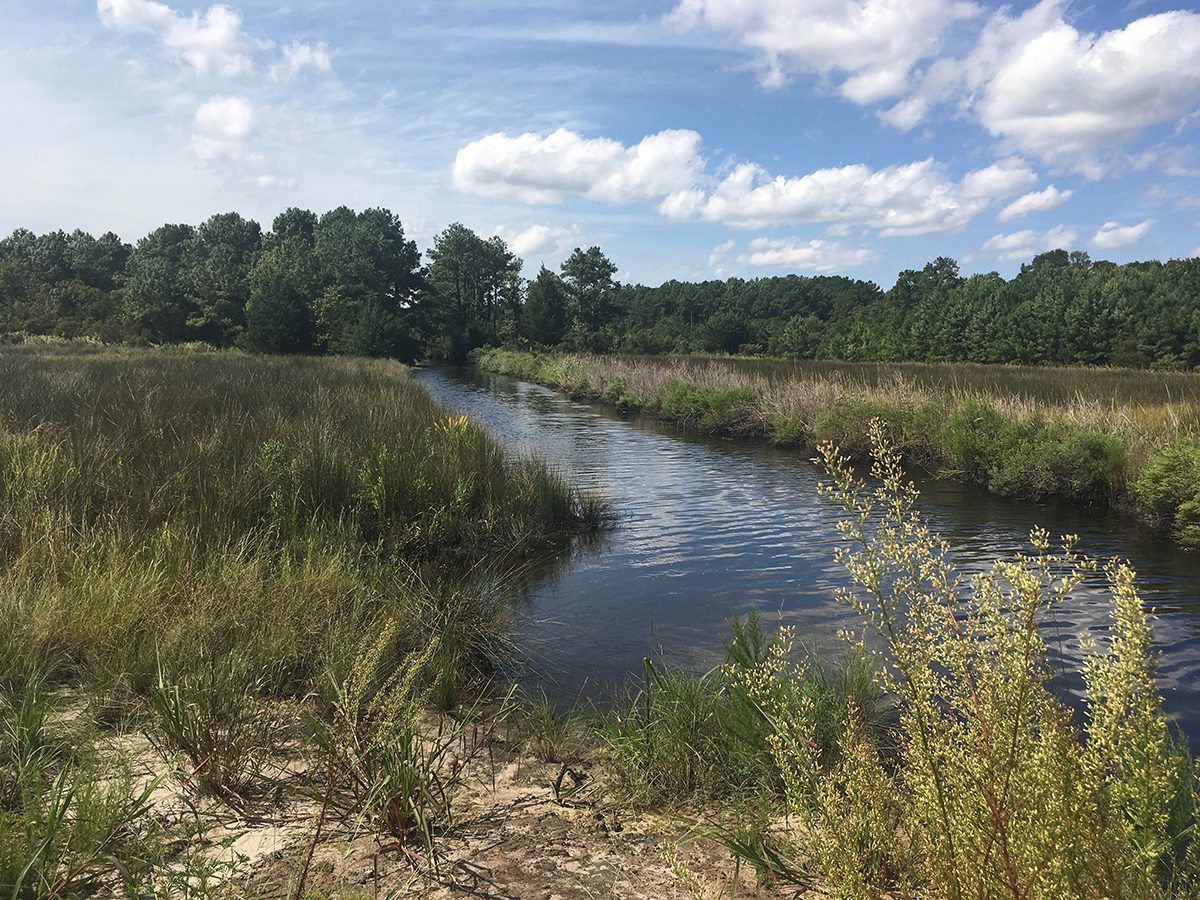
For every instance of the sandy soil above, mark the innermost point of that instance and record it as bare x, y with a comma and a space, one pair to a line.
513, 839
524, 829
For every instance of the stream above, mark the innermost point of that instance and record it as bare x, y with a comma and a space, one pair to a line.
710, 528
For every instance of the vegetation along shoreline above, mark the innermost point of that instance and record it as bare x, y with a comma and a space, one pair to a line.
1096, 437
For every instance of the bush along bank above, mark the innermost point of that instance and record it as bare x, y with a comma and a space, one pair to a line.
1141, 459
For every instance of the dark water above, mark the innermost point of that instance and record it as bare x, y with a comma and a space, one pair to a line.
709, 528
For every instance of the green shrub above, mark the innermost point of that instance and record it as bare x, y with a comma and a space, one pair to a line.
709, 409
1167, 489
847, 423
970, 436
1034, 458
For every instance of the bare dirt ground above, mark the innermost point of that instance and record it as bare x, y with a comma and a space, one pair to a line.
512, 838
523, 829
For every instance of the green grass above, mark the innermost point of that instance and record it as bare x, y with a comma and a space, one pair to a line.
176, 506
200, 545
1125, 438
677, 738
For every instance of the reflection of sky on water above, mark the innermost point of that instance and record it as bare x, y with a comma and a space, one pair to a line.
709, 528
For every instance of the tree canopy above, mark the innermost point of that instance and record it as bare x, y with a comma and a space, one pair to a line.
355, 283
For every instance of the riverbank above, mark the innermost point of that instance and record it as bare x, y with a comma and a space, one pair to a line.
1092, 441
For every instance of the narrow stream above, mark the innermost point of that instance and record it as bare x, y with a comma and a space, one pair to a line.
709, 528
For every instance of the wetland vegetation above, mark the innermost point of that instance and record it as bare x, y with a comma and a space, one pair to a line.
211, 547
265, 588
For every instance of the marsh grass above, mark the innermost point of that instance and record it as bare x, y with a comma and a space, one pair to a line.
549, 734
167, 504
72, 820
201, 543
679, 738
1104, 436
218, 719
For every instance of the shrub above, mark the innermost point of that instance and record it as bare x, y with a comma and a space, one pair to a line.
998, 792
710, 409
1168, 490
969, 437
1034, 458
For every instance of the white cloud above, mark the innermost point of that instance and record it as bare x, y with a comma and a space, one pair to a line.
299, 56
812, 256
1037, 201
875, 43
222, 124
917, 198
1196, 252
1113, 235
1066, 93
552, 168
1000, 179
1028, 243
211, 43
269, 182
716, 258
538, 239
1063, 95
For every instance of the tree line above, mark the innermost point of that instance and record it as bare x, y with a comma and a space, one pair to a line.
350, 282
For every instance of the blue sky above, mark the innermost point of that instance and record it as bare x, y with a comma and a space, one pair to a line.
689, 139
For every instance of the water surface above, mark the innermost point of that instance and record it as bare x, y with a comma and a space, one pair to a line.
711, 528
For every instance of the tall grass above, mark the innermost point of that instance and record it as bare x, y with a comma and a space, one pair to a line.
178, 506
1126, 438
678, 738
214, 536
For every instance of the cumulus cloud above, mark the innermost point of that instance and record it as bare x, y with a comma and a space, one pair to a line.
1066, 93
875, 43
1113, 235
212, 42
552, 168
1035, 202
805, 256
1063, 95
1000, 179
538, 239
222, 124
1028, 243
912, 199
299, 56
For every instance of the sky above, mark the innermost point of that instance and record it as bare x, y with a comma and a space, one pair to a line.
689, 139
